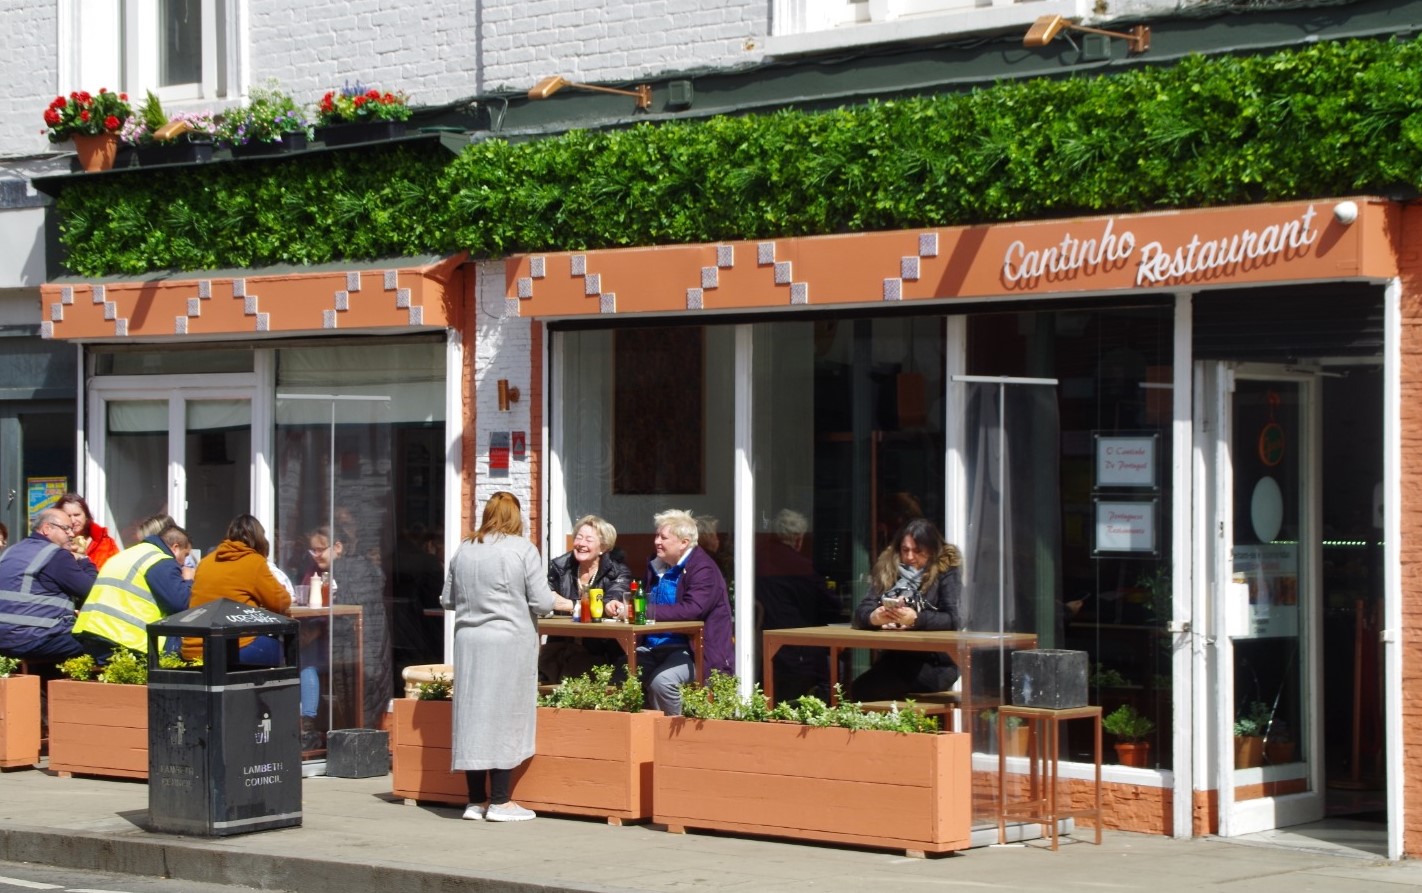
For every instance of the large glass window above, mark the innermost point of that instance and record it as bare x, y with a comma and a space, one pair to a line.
179, 49
359, 473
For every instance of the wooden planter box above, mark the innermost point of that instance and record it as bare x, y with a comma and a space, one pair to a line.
98, 729
587, 762
19, 721
878, 789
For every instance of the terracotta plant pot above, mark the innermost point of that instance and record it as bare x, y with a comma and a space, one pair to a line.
587, 762
1248, 751
1133, 753
1279, 752
98, 729
96, 151
1014, 741
866, 788
19, 721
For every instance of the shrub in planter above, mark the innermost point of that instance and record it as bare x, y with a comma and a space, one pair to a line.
809, 771
1130, 726
98, 717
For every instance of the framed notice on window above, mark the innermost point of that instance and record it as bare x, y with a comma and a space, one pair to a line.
1125, 460
1126, 526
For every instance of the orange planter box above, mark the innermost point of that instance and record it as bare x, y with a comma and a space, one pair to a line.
587, 762
98, 729
867, 788
19, 721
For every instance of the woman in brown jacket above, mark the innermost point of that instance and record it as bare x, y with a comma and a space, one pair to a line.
237, 569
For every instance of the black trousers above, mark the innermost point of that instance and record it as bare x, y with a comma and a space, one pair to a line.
497, 781
897, 673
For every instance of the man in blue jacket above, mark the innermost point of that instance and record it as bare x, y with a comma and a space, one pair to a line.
41, 584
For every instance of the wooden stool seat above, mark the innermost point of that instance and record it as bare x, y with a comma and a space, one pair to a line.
925, 709
1043, 756
953, 698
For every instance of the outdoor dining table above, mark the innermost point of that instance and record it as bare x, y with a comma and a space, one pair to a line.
627, 634
957, 644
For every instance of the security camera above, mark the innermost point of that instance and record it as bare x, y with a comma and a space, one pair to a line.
1345, 212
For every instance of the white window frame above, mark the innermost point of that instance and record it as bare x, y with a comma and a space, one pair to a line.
90, 57
806, 26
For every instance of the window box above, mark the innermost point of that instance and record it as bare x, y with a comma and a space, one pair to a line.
364, 132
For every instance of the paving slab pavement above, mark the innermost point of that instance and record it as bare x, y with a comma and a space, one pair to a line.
355, 836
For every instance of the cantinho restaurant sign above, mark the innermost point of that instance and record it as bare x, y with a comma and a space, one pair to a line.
1287, 242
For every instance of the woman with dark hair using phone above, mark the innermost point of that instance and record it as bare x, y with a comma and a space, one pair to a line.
917, 584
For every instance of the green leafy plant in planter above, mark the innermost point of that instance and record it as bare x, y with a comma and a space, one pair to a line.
8, 666
439, 688
1250, 727
720, 698
270, 116
1131, 727
595, 690
81, 669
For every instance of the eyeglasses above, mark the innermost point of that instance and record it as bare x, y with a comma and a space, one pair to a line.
317, 553
64, 527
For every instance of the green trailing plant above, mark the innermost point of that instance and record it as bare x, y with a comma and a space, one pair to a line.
720, 698
1329, 118
438, 688
8, 666
1011, 723
1254, 721
595, 690
1128, 723
81, 669
1103, 676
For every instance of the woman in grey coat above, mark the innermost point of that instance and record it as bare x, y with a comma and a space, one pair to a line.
496, 588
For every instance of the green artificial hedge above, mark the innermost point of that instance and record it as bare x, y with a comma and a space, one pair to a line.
1326, 119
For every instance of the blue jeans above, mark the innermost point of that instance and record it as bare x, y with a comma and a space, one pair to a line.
264, 651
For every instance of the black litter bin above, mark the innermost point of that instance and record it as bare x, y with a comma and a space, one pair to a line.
224, 738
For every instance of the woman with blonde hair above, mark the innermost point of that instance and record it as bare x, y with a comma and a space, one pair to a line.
497, 589
592, 563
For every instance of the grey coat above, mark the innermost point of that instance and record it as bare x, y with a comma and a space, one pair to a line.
496, 589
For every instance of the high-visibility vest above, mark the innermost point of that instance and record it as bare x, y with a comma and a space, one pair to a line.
121, 604
23, 606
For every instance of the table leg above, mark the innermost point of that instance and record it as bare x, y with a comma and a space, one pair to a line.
767, 671
630, 649
700, 640
834, 674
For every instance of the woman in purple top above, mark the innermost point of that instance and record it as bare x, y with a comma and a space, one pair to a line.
682, 583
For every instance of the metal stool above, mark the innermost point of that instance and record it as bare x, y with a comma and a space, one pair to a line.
1043, 749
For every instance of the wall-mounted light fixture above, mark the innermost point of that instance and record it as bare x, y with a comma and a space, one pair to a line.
507, 395
553, 83
1046, 28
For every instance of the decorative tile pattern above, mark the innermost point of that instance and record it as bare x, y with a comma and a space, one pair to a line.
264, 322
799, 292
180, 325
893, 290
56, 312
579, 264
537, 266
205, 288
694, 299
66, 295
511, 308
908, 268
525, 287
194, 306
765, 253
100, 294
110, 310
47, 329
592, 284
607, 303
121, 328
782, 272
352, 281
239, 288
392, 280
725, 256
417, 316
343, 300
928, 244
710, 277
402, 298
249, 305
328, 319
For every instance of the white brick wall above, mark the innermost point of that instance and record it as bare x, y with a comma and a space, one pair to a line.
503, 349
29, 69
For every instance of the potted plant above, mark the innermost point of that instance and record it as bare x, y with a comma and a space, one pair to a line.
593, 750
1130, 727
1014, 734
811, 771
183, 138
92, 121
98, 717
19, 715
271, 122
1249, 730
356, 114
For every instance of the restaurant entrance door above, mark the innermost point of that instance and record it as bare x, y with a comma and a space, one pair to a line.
176, 444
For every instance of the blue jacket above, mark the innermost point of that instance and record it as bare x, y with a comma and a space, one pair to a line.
40, 587
701, 595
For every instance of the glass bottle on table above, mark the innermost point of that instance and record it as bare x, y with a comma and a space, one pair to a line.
630, 606
639, 601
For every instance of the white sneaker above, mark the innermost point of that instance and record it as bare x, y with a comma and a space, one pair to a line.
474, 812
508, 812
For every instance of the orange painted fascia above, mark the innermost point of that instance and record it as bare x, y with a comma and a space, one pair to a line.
412, 297
1140, 253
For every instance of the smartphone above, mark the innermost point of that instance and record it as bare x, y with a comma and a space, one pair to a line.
893, 601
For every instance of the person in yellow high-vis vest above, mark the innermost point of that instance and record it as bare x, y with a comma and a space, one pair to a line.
139, 585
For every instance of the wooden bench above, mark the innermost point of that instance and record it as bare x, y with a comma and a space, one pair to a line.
927, 709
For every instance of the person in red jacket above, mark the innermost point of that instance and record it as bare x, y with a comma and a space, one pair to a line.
89, 538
